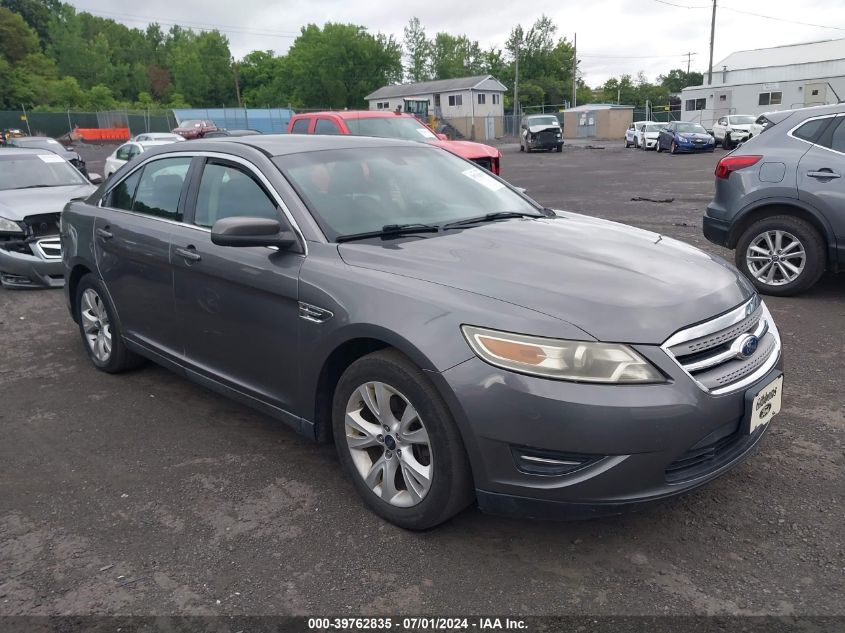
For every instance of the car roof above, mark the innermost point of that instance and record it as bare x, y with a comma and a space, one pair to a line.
777, 116
151, 143
284, 144
31, 151
359, 114
35, 138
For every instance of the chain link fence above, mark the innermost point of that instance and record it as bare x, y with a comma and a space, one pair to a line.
59, 124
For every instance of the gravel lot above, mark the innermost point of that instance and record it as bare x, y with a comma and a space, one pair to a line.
145, 494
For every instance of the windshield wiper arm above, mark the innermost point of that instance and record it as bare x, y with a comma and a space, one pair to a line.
390, 230
490, 217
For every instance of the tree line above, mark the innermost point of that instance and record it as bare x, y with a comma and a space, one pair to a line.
55, 57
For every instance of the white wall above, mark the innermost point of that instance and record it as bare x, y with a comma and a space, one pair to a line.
745, 98
463, 110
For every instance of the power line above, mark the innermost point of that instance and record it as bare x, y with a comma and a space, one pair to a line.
771, 17
635, 56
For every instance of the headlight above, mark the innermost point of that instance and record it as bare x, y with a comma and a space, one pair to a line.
579, 361
7, 226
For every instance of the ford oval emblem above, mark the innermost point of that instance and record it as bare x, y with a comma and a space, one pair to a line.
748, 345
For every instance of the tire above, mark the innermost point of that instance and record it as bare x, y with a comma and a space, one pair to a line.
673, 149
627, 144
657, 147
559, 148
96, 315
450, 480
727, 143
521, 148
636, 142
809, 241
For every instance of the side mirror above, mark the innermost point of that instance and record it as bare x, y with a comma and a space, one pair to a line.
442, 137
95, 179
249, 231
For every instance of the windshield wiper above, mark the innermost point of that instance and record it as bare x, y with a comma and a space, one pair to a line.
490, 217
390, 230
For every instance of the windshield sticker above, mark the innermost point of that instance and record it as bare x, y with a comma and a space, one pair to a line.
483, 179
425, 133
51, 158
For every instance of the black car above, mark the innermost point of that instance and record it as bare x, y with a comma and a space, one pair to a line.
45, 142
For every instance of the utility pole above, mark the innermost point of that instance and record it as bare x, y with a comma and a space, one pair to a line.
575, 71
712, 35
516, 89
689, 61
237, 82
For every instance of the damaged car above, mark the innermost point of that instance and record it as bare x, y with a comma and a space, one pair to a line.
541, 131
35, 185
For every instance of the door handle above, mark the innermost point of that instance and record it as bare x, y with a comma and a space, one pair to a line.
823, 173
104, 234
189, 254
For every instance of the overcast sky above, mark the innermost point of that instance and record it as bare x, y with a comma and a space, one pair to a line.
614, 36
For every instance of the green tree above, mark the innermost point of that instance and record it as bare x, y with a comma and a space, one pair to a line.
417, 52
17, 39
677, 79
455, 56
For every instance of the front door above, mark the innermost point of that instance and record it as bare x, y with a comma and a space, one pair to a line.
132, 248
238, 306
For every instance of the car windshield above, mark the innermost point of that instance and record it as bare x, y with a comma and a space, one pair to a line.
691, 128
390, 127
19, 171
354, 191
741, 119
191, 123
543, 120
654, 127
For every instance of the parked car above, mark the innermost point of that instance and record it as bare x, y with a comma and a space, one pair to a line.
194, 128
647, 134
157, 136
729, 131
540, 131
35, 185
779, 200
222, 133
756, 128
631, 133
50, 144
374, 291
392, 125
680, 136
126, 152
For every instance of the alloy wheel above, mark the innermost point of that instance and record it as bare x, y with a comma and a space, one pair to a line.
389, 444
96, 325
775, 258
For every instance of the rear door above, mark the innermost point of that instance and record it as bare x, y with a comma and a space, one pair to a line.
238, 306
132, 247
821, 175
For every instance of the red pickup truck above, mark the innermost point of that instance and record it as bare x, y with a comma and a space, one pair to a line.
391, 125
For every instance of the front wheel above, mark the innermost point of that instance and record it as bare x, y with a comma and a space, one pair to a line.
559, 148
728, 143
782, 255
673, 149
399, 443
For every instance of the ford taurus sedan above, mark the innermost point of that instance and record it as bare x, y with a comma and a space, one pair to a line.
454, 339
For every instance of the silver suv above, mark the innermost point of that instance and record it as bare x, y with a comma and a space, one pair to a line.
780, 200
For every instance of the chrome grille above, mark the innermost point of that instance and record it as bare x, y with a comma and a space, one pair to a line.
710, 353
49, 247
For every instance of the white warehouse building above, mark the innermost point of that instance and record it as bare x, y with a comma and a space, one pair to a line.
767, 79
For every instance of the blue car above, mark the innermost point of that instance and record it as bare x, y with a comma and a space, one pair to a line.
680, 136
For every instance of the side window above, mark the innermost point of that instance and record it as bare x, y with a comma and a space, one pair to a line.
160, 188
227, 191
810, 130
834, 138
300, 126
121, 196
123, 153
723, 121
324, 126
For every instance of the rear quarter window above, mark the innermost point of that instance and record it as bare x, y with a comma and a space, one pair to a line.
810, 130
300, 126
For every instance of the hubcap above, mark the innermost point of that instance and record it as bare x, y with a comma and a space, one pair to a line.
775, 258
95, 323
389, 444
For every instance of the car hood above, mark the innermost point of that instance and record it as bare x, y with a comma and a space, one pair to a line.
694, 136
536, 129
16, 204
468, 149
744, 128
613, 281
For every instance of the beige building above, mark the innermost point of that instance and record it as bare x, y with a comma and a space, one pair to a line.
597, 120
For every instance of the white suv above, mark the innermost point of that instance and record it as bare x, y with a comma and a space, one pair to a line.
729, 131
632, 133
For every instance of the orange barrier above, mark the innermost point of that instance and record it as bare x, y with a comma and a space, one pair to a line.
104, 134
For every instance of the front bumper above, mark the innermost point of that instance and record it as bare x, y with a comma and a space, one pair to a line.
649, 143
692, 147
639, 444
33, 269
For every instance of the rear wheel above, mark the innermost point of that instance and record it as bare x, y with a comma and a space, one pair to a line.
398, 442
99, 329
782, 255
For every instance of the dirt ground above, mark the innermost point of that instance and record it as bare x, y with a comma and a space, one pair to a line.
145, 494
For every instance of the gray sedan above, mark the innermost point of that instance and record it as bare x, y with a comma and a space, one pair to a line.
456, 340
35, 185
